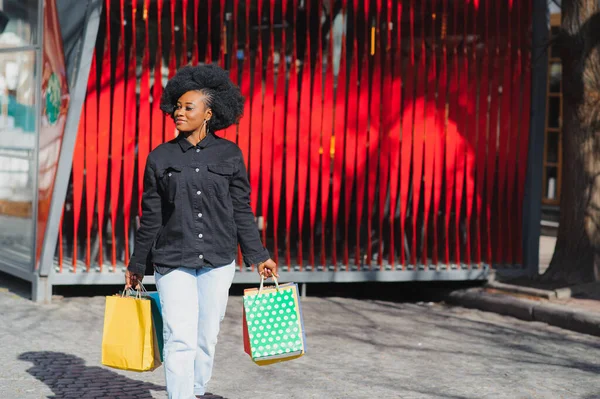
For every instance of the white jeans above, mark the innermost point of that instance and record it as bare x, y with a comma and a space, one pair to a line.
193, 305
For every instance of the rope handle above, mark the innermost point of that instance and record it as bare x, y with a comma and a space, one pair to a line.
262, 281
133, 292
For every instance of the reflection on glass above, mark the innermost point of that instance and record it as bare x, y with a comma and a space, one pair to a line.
554, 113
18, 23
551, 188
552, 147
554, 47
555, 77
55, 102
17, 145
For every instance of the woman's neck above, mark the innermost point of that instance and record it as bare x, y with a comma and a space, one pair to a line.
196, 136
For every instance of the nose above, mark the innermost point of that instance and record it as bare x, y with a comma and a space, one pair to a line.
178, 112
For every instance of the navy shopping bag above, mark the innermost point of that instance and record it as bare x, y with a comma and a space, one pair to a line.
156, 319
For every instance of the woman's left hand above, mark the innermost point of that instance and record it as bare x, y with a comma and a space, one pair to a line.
268, 269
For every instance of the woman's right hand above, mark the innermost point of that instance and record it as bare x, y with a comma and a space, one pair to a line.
133, 280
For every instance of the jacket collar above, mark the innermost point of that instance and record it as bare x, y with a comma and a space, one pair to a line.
186, 145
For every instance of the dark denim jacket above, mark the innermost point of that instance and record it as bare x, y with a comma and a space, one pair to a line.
195, 207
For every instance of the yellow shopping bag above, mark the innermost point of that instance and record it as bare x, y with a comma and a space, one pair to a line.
129, 340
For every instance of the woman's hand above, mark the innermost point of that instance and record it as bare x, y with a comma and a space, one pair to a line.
268, 269
133, 280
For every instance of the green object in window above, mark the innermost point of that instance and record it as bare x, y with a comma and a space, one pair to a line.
53, 94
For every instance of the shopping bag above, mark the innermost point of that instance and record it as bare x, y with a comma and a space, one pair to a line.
273, 327
128, 339
156, 319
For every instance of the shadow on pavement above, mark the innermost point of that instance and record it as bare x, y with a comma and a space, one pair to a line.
69, 377
15, 285
503, 337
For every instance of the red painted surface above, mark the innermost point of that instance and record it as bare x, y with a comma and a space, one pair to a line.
350, 149
326, 144
340, 143
374, 147
408, 122
482, 137
144, 128
278, 141
440, 140
104, 113
503, 243
304, 135
129, 138
117, 131
291, 145
362, 138
396, 137
316, 121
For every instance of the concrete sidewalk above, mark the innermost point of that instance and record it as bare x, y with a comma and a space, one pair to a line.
575, 314
574, 308
357, 349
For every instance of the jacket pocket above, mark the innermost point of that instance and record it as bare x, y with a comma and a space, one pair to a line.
170, 182
219, 176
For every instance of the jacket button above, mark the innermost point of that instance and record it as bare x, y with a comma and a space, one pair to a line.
169, 173
197, 169
200, 235
201, 256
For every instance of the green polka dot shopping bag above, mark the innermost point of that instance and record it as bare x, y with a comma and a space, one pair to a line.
272, 323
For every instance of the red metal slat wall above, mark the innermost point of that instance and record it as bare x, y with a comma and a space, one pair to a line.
393, 130
440, 140
104, 127
399, 142
316, 147
117, 134
374, 131
326, 140
482, 135
129, 136
339, 135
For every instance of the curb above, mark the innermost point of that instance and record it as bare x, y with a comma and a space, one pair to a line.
528, 310
547, 294
558, 293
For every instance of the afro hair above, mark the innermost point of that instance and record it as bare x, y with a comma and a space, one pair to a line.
223, 96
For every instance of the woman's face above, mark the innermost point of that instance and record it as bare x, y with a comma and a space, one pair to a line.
191, 112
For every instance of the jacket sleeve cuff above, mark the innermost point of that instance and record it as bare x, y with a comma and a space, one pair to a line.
256, 258
136, 267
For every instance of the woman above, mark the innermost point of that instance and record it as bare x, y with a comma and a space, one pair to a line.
195, 208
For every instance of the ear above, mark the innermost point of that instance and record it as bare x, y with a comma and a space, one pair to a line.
208, 114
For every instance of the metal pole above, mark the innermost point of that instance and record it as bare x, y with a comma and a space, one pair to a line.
532, 203
34, 167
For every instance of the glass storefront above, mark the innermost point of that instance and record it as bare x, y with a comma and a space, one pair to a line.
18, 23
19, 55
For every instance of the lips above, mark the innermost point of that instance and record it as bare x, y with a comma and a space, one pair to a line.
179, 121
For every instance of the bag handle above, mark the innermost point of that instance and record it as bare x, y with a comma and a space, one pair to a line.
138, 293
262, 281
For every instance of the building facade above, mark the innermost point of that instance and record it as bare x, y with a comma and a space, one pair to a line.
385, 142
